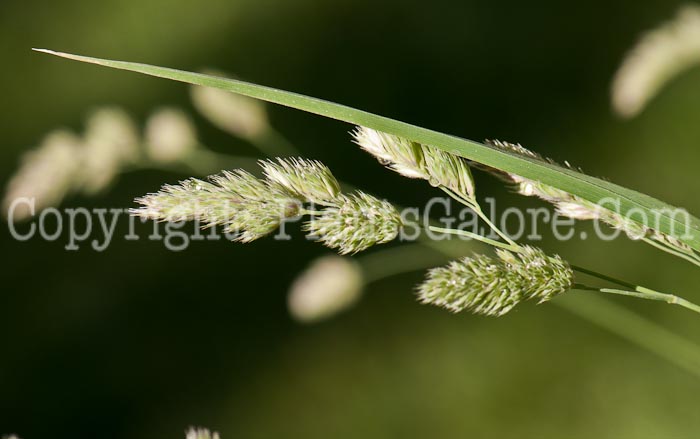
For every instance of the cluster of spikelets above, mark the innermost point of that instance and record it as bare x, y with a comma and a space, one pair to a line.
480, 284
413, 160
489, 286
250, 208
575, 207
452, 172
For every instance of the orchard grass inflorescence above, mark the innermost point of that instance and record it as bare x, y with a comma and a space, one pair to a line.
252, 207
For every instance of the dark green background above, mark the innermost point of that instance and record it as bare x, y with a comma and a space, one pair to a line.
139, 342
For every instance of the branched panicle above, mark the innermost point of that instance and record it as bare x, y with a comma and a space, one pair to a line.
250, 208
247, 207
489, 286
307, 179
358, 222
414, 160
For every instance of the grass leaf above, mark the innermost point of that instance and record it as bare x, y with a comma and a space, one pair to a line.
638, 207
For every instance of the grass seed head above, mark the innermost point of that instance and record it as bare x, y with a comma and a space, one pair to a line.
358, 222
491, 286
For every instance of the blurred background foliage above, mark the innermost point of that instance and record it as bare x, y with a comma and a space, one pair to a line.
140, 342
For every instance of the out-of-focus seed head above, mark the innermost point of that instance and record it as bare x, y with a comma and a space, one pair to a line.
238, 115
46, 175
329, 286
111, 140
658, 57
200, 433
170, 135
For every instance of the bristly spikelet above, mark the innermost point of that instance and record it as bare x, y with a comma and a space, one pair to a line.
258, 219
399, 154
307, 179
566, 204
181, 202
489, 286
449, 170
414, 160
358, 222
248, 208
544, 276
242, 185
514, 147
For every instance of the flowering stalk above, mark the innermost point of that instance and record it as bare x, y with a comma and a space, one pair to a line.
488, 286
576, 207
250, 208
382, 264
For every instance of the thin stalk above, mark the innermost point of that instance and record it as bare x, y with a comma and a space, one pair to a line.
602, 276
473, 236
620, 321
649, 295
474, 205
692, 259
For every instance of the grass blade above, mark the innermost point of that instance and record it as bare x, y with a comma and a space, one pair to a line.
638, 207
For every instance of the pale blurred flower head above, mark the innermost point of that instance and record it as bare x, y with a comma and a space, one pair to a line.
659, 56
200, 433
238, 115
47, 173
170, 135
330, 285
111, 141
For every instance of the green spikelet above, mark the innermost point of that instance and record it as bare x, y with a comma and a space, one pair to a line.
490, 286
